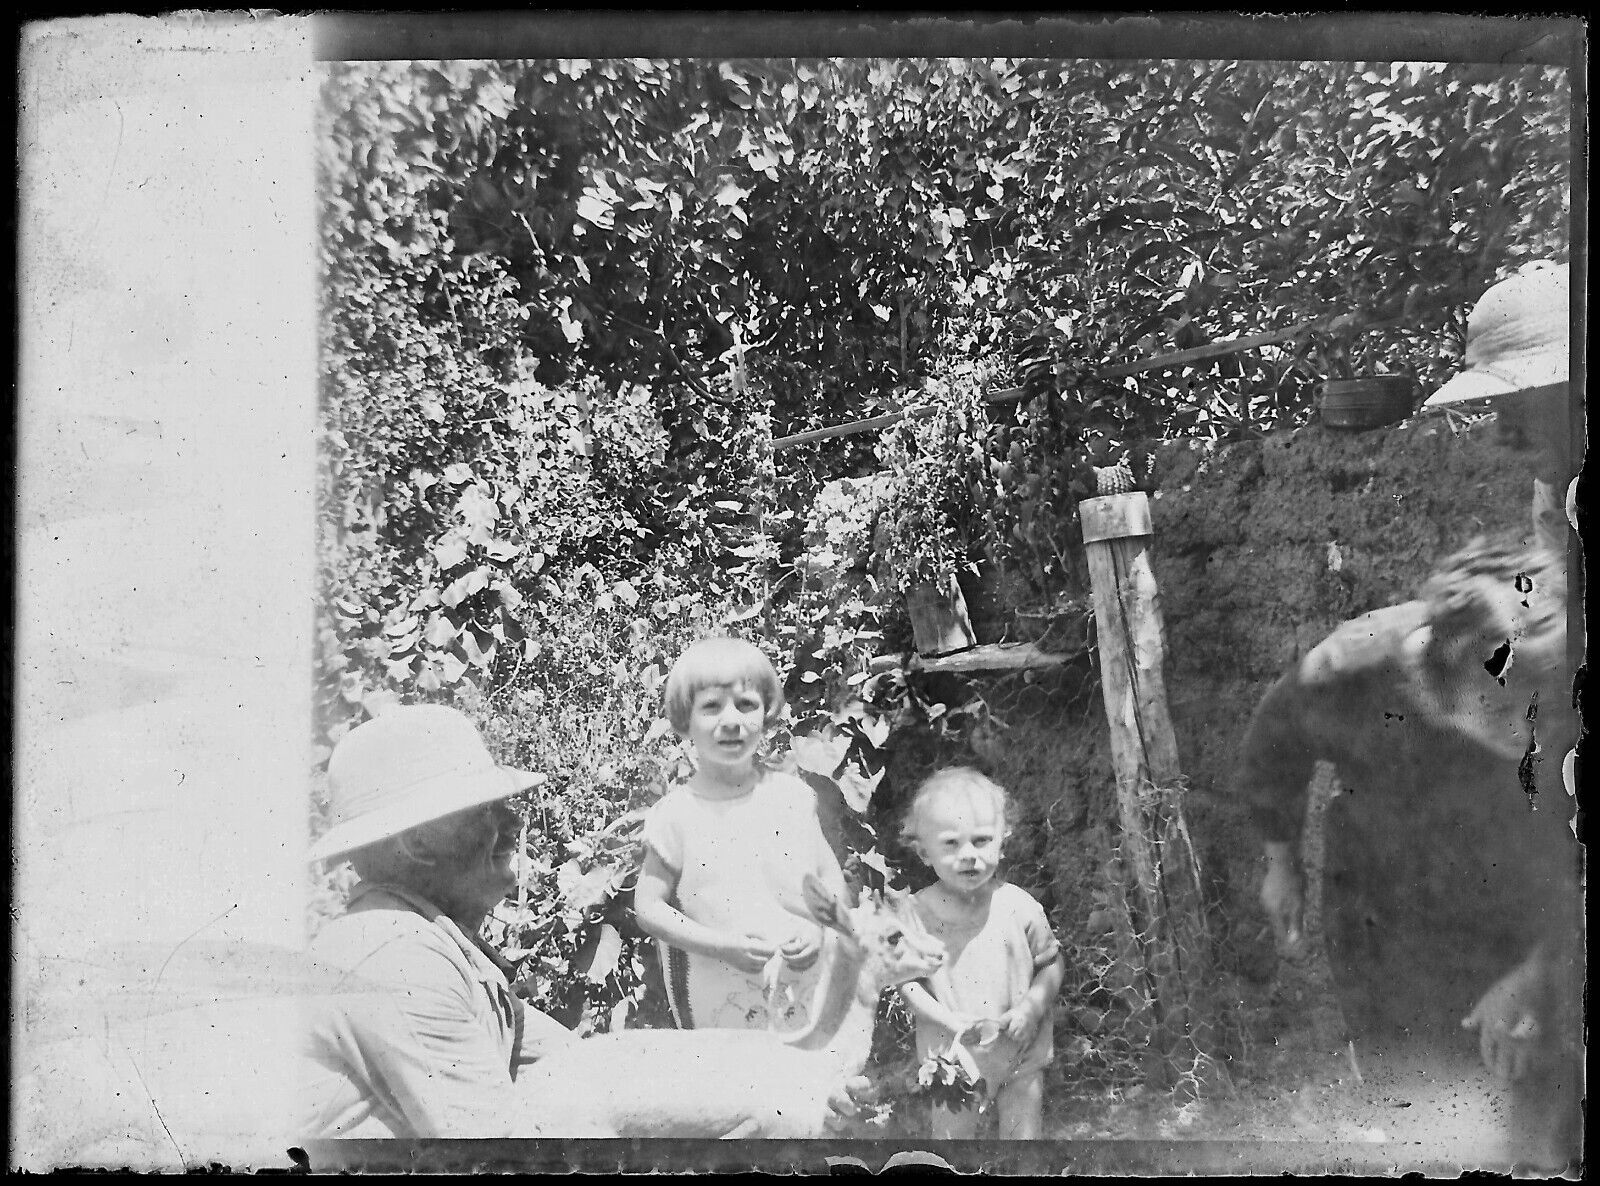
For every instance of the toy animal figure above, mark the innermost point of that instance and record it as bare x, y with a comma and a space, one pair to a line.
740, 1083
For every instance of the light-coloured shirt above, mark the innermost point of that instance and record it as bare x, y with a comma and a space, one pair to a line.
740, 864
989, 965
423, 1037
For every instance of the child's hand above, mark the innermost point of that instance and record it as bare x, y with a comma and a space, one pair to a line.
801, 951
748, 953
1020, 1023
968, 1029
985, 1033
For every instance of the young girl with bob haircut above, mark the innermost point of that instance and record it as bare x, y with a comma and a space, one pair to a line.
997, 988
726, 852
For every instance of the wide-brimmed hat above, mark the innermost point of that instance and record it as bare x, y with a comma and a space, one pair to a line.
1518, 337
414, 764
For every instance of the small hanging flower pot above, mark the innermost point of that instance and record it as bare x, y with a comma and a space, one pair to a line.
939, 621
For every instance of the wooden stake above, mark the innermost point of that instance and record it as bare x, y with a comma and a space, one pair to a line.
1127, 609
1144, 752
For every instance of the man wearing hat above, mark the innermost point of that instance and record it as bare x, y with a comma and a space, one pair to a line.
426, 1036
429, 1045
1517, 359
1529, 1023
1428, 654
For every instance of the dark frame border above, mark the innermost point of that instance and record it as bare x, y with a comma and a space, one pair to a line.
1351, 36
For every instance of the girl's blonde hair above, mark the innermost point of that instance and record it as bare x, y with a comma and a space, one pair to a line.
719, 662
962, 780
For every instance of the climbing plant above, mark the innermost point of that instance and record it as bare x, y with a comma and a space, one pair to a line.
567, 306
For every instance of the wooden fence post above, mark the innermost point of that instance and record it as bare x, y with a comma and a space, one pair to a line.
1168, 909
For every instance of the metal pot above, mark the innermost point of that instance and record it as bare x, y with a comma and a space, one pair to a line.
1370, 402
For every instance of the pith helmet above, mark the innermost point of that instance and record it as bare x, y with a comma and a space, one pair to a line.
1518, 337
414, 764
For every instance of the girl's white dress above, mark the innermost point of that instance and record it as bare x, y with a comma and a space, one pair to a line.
739, 863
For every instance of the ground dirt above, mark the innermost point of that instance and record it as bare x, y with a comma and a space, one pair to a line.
1413, 1105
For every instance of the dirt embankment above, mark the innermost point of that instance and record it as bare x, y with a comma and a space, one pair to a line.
1259, 549
1262, 548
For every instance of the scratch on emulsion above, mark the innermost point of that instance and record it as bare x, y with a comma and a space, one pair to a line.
156, 1108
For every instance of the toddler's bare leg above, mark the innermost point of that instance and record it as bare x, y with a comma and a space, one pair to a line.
954, 1125
1021, 1104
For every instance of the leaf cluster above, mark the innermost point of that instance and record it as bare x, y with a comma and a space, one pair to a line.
568, 305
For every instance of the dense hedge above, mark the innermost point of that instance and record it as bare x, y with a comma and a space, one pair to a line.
568, 305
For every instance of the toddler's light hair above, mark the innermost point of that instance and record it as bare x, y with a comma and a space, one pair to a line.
956, 780
719, 662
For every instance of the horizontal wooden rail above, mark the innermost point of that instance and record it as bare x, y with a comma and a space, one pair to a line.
1154, 362
1158, 362
998, 657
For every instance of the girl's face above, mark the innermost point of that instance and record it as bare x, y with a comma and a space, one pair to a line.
959, 837
726, 722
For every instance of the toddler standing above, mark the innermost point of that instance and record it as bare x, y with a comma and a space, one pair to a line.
1003, 968
726, 852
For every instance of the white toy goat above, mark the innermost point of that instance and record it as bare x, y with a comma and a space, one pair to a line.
740, 1083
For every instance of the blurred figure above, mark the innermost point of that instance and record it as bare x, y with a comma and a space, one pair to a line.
1530, 1022
1446, 706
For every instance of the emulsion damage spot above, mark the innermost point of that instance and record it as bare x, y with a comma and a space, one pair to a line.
1527, 769
1500, 662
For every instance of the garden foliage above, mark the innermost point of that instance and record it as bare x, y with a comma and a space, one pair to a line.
568, 305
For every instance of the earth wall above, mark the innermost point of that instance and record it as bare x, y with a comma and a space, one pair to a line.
1259, 549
